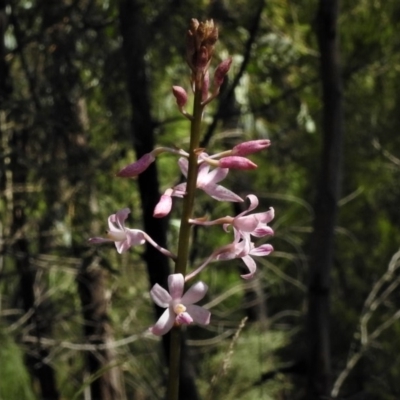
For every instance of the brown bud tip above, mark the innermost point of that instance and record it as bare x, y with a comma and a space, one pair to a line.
201, 38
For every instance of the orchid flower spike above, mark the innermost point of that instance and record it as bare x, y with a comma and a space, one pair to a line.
180, 308
123, 237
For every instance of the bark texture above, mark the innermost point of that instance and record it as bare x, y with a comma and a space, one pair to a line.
97, 329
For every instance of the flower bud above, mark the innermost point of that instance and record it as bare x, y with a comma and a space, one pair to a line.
221, 71
235, 162
202, 58
163, 207
206, 84
180, 95
136, 168
252, 146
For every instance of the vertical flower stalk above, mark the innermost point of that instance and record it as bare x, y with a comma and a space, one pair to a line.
201, 39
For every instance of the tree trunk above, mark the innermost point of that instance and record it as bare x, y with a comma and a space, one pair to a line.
5, 84
41, 318
91, 284
74, 156
39, 324
328, 191
136, 37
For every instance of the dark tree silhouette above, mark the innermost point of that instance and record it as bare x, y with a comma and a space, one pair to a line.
328, 190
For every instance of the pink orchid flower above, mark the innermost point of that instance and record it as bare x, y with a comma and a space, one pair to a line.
242, 248
253, 224
207, 180
124, 237
180, 308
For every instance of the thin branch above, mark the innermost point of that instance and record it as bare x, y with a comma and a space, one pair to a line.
372, 302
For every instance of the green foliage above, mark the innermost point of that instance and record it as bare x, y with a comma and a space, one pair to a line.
234, 373
15, 382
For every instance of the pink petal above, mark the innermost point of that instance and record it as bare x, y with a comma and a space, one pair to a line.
262, 231
267, 216
246, 224
263, 250
163, 207
203, 176
251, 265
136, 168
176, 285
199, 314
116, 222
253, 202
195, 293
160, 296
183, 165
226, 227
244, 247
135, 237
184, 319
215, 176
226, 255
179, 190
221, 193
164, 323
122, 246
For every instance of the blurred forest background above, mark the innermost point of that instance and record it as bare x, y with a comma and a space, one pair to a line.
85, 88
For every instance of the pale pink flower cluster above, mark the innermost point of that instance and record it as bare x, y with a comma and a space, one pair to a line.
180, 308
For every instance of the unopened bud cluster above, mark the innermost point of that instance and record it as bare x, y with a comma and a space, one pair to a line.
200, 41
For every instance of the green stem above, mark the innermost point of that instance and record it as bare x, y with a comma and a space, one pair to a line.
184, 238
